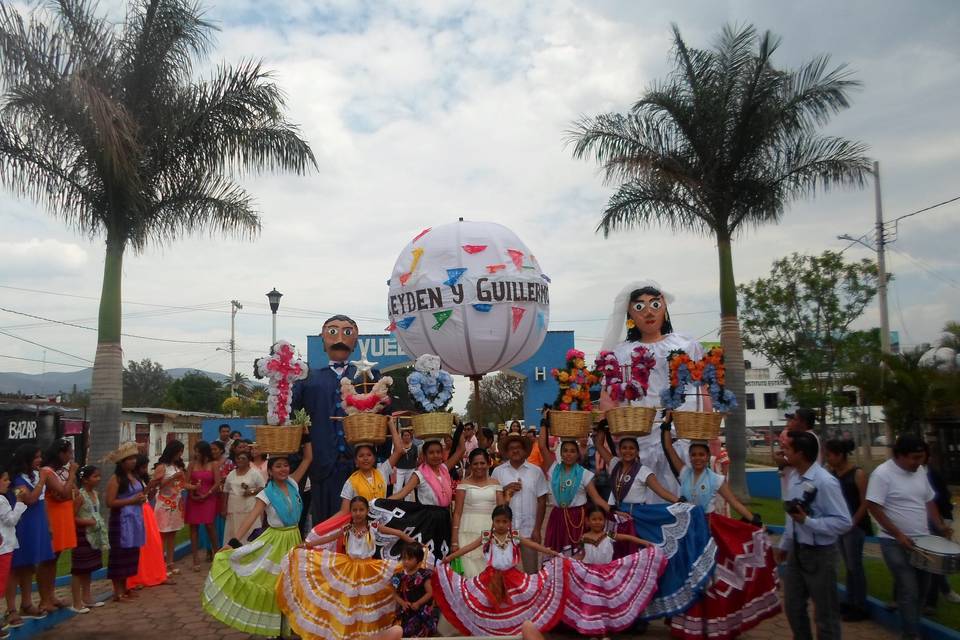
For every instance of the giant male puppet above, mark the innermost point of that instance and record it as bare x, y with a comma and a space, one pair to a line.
319, 394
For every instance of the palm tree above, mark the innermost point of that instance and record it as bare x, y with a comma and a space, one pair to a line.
106, 127
724, 143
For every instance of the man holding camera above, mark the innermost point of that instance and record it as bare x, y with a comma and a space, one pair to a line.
901, 500
818, 516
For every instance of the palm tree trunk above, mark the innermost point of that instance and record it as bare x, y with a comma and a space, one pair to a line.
736, 420
106, 396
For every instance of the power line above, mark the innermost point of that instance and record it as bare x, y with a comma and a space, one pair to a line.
947, 280
201, 307
43, 346
127, 335
64, 364
933, 206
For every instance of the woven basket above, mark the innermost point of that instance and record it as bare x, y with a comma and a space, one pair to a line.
631, 421
697, 425
276, 440
570, 424
368, 428
430, 426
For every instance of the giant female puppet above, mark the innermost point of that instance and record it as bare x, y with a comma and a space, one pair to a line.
319, 394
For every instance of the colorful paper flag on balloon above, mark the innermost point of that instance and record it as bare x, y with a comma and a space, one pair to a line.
422, 233
417, 254
516, 256
441, 317
405, 322
517, 316
474, 248
391, 327
541, 320
545, 277
404, 277
483, 307
453, 276
493, 268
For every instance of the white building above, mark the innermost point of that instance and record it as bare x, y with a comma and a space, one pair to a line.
155, 427
766, 399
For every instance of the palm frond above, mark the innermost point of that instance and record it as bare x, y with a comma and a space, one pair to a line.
640, 203
199, 203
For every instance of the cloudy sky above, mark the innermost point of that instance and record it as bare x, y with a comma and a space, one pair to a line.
423, 111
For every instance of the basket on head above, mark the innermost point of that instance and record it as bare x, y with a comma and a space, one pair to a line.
276, 440
570, 424
630, 421
697, 425
368, 428
430, 426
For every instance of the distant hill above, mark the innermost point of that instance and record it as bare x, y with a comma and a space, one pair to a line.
57, 381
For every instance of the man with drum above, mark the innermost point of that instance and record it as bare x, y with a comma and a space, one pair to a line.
901, 500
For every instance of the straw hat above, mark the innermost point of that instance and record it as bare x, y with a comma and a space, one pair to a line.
126, 450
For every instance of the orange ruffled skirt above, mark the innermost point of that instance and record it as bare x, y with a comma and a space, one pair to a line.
152, 570
333, 596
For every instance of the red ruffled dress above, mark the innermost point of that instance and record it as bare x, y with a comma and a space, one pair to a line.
499, 600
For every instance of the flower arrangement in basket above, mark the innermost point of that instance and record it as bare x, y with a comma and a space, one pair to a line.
708, 372
625, 383
575, 382
281, 369
431, 389
364, 422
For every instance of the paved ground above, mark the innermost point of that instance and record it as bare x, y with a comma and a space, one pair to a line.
173, 611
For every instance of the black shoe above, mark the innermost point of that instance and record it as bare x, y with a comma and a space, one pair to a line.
855, 615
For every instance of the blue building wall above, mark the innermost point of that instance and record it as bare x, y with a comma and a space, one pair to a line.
540, 386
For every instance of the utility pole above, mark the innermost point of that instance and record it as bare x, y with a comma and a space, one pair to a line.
881, 264
234, 307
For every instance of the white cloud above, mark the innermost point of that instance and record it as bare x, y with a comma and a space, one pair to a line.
421, 112
41, 258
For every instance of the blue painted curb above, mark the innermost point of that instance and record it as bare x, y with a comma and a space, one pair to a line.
32, 627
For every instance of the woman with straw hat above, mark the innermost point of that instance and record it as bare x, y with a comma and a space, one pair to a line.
126, 532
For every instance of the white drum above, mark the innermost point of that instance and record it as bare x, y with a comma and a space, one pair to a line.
935, 555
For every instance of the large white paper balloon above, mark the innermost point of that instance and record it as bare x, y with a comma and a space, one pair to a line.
471, 293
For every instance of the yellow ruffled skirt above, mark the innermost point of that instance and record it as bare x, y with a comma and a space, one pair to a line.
331, 595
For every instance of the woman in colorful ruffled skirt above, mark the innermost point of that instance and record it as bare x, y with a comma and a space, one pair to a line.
241, 589
342, 593
743, 592
502, 598
605, 595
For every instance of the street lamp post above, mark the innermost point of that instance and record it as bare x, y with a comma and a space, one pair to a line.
274, 297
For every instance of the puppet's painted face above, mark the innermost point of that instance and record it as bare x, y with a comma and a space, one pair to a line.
428, 364
648, 313
339, 339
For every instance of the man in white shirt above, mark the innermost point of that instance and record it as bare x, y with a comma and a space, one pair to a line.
900, 499
527, 488
818, 517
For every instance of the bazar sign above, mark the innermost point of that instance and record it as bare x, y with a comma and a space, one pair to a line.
21, 429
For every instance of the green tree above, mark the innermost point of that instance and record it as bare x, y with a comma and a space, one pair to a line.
195, 392
799, 319
725, 143
108, 127
501, 399
145, 383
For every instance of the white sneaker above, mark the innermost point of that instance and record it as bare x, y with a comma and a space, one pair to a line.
952, 596
80, 610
